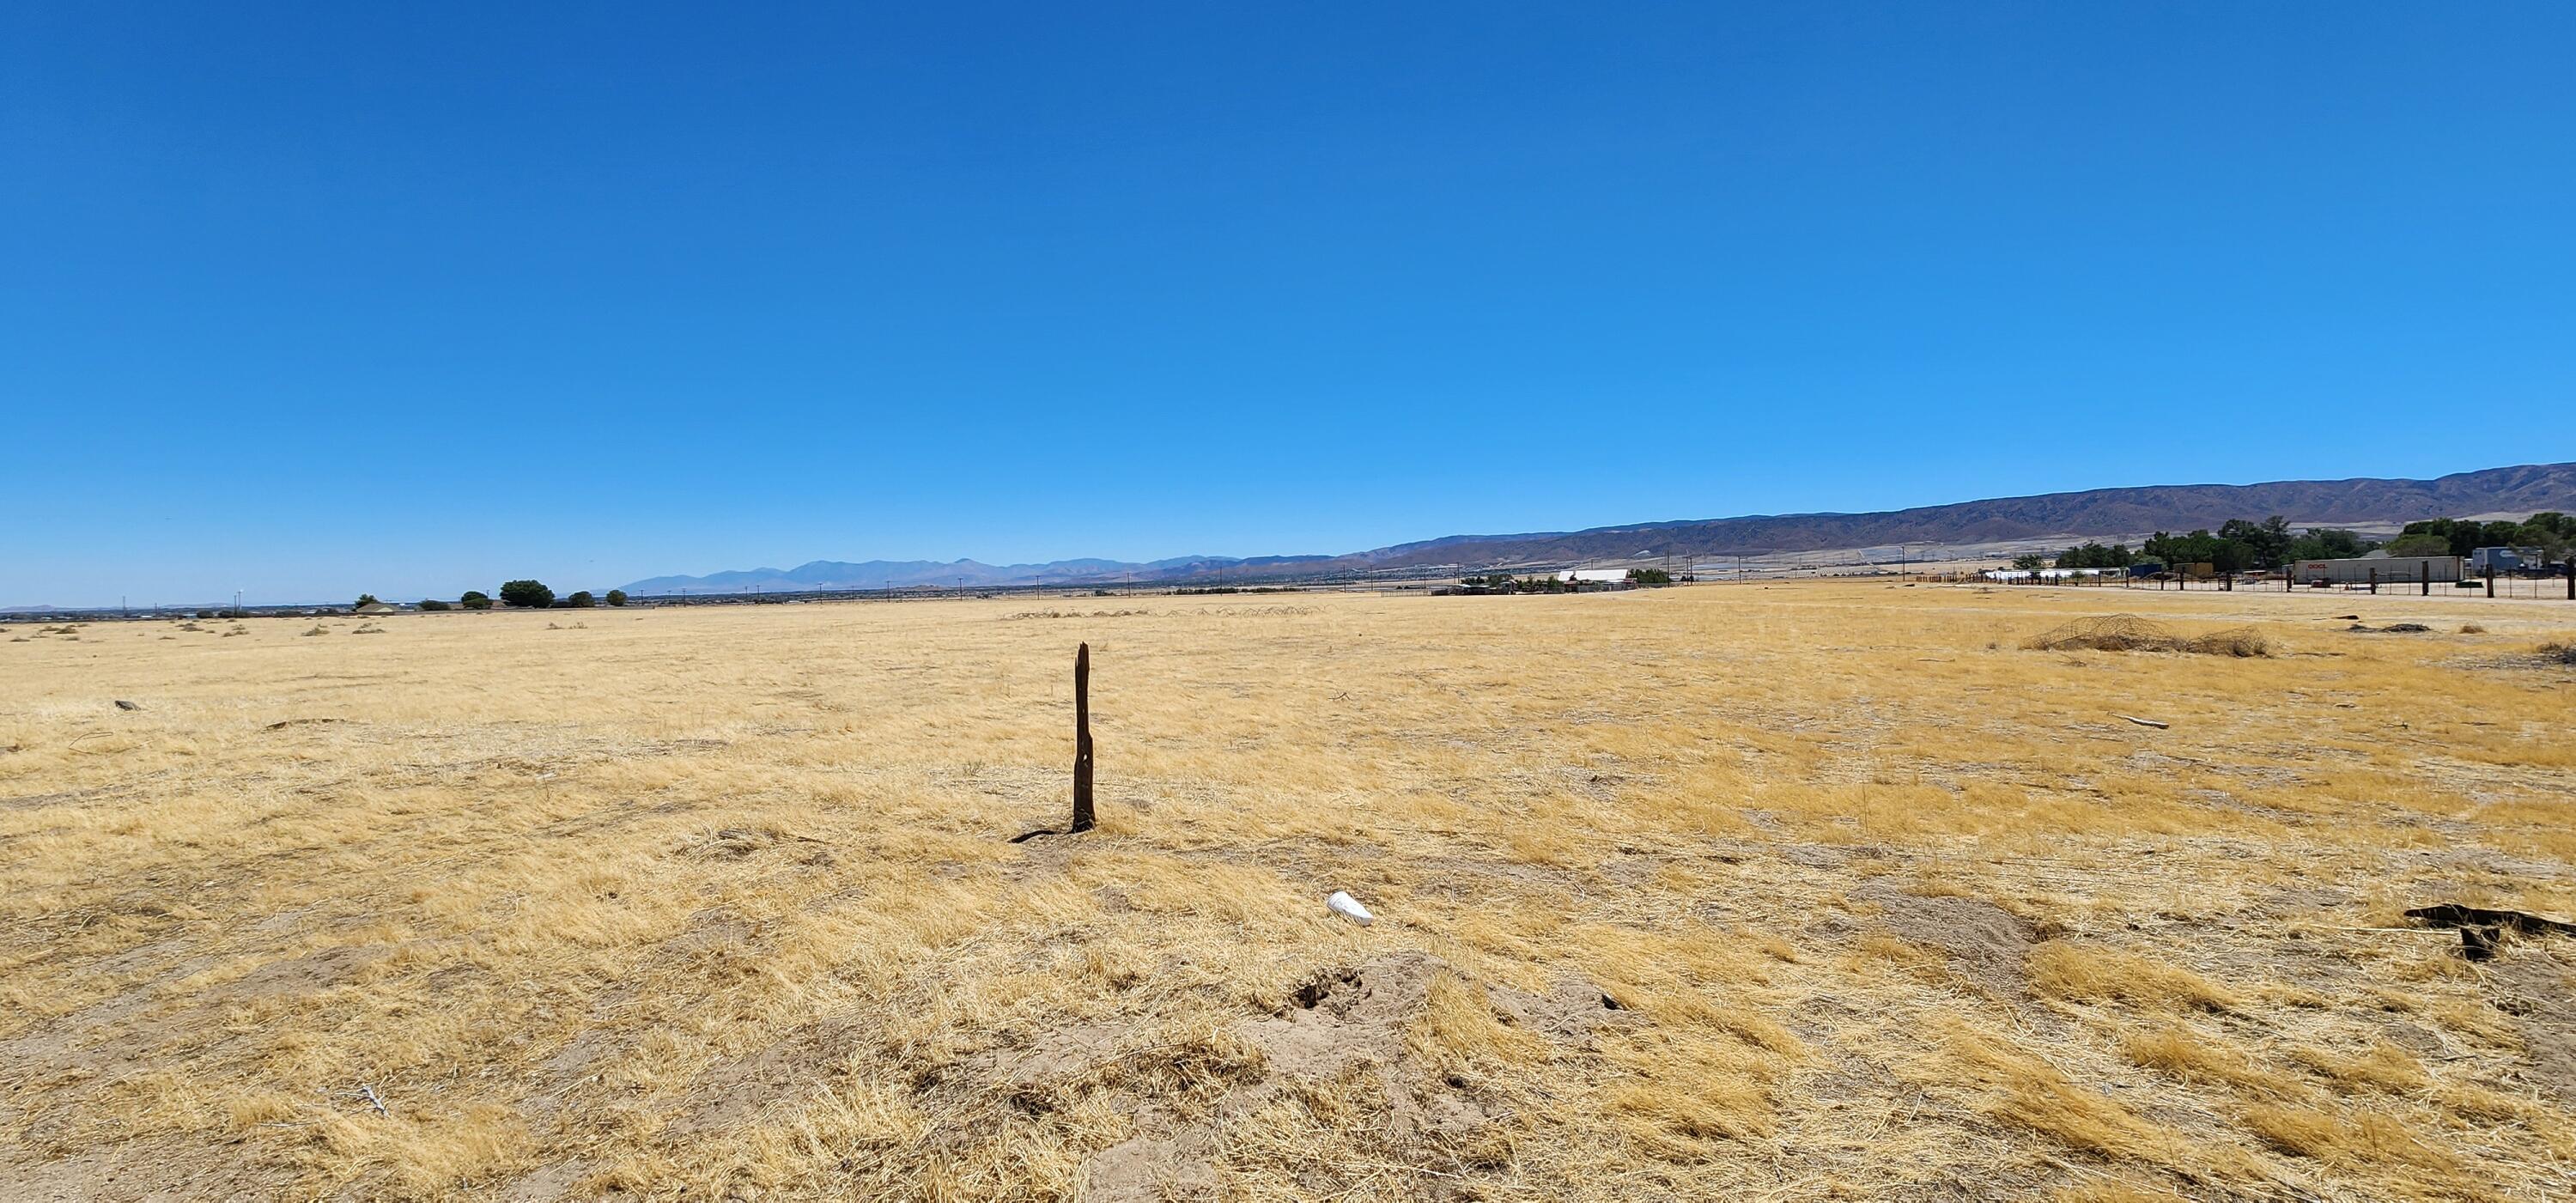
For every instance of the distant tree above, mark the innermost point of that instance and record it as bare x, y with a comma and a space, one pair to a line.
2201, 547
1649, 576
2459, 536
526, 595
617, 597
581, 600
2423, 543
367, 599
2327, 544
2094, 555
475, 599
433, 605
2030, 561
2262, 544
2552, 532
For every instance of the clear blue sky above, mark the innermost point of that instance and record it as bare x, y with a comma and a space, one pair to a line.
311, 299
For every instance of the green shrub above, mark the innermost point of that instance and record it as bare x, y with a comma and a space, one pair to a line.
475, 599
2420, 545
616, 597
433, 605
581, 600
526, 595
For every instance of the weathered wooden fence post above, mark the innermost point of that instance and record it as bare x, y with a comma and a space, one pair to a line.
1082, 818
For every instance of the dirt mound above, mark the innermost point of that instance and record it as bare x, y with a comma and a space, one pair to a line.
1984, 942
1359, 1028
2130, 633
2523, 987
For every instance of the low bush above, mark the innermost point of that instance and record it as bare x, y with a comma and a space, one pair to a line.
526, 595
2130, 633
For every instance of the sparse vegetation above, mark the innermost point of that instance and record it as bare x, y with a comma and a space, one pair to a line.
616, 597
475, 599
581, 600
432, 605
1701, 893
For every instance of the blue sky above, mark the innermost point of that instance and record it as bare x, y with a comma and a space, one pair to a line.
304, 300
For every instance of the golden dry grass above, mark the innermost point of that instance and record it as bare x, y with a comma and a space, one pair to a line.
1821, 891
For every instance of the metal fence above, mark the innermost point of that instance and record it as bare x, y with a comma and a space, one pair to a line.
2530, 586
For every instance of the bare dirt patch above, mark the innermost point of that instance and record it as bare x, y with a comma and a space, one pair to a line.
1984, 942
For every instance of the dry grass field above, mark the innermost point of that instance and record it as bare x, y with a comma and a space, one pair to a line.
1823, 891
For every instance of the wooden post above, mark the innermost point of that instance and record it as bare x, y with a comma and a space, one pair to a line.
2374, 580
2490, 578
2427, 574
1082, 819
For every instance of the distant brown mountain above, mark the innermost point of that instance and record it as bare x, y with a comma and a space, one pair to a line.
2095, 513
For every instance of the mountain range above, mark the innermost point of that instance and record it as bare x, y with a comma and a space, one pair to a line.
2093, 513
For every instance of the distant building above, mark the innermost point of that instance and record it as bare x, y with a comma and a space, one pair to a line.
1594, 576
2378, 566
2050, 574
2505, 559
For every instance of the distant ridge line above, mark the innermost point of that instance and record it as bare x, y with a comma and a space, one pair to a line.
2091, 513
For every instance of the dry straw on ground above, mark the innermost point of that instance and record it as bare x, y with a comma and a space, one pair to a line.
2130, 633
1724, 892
